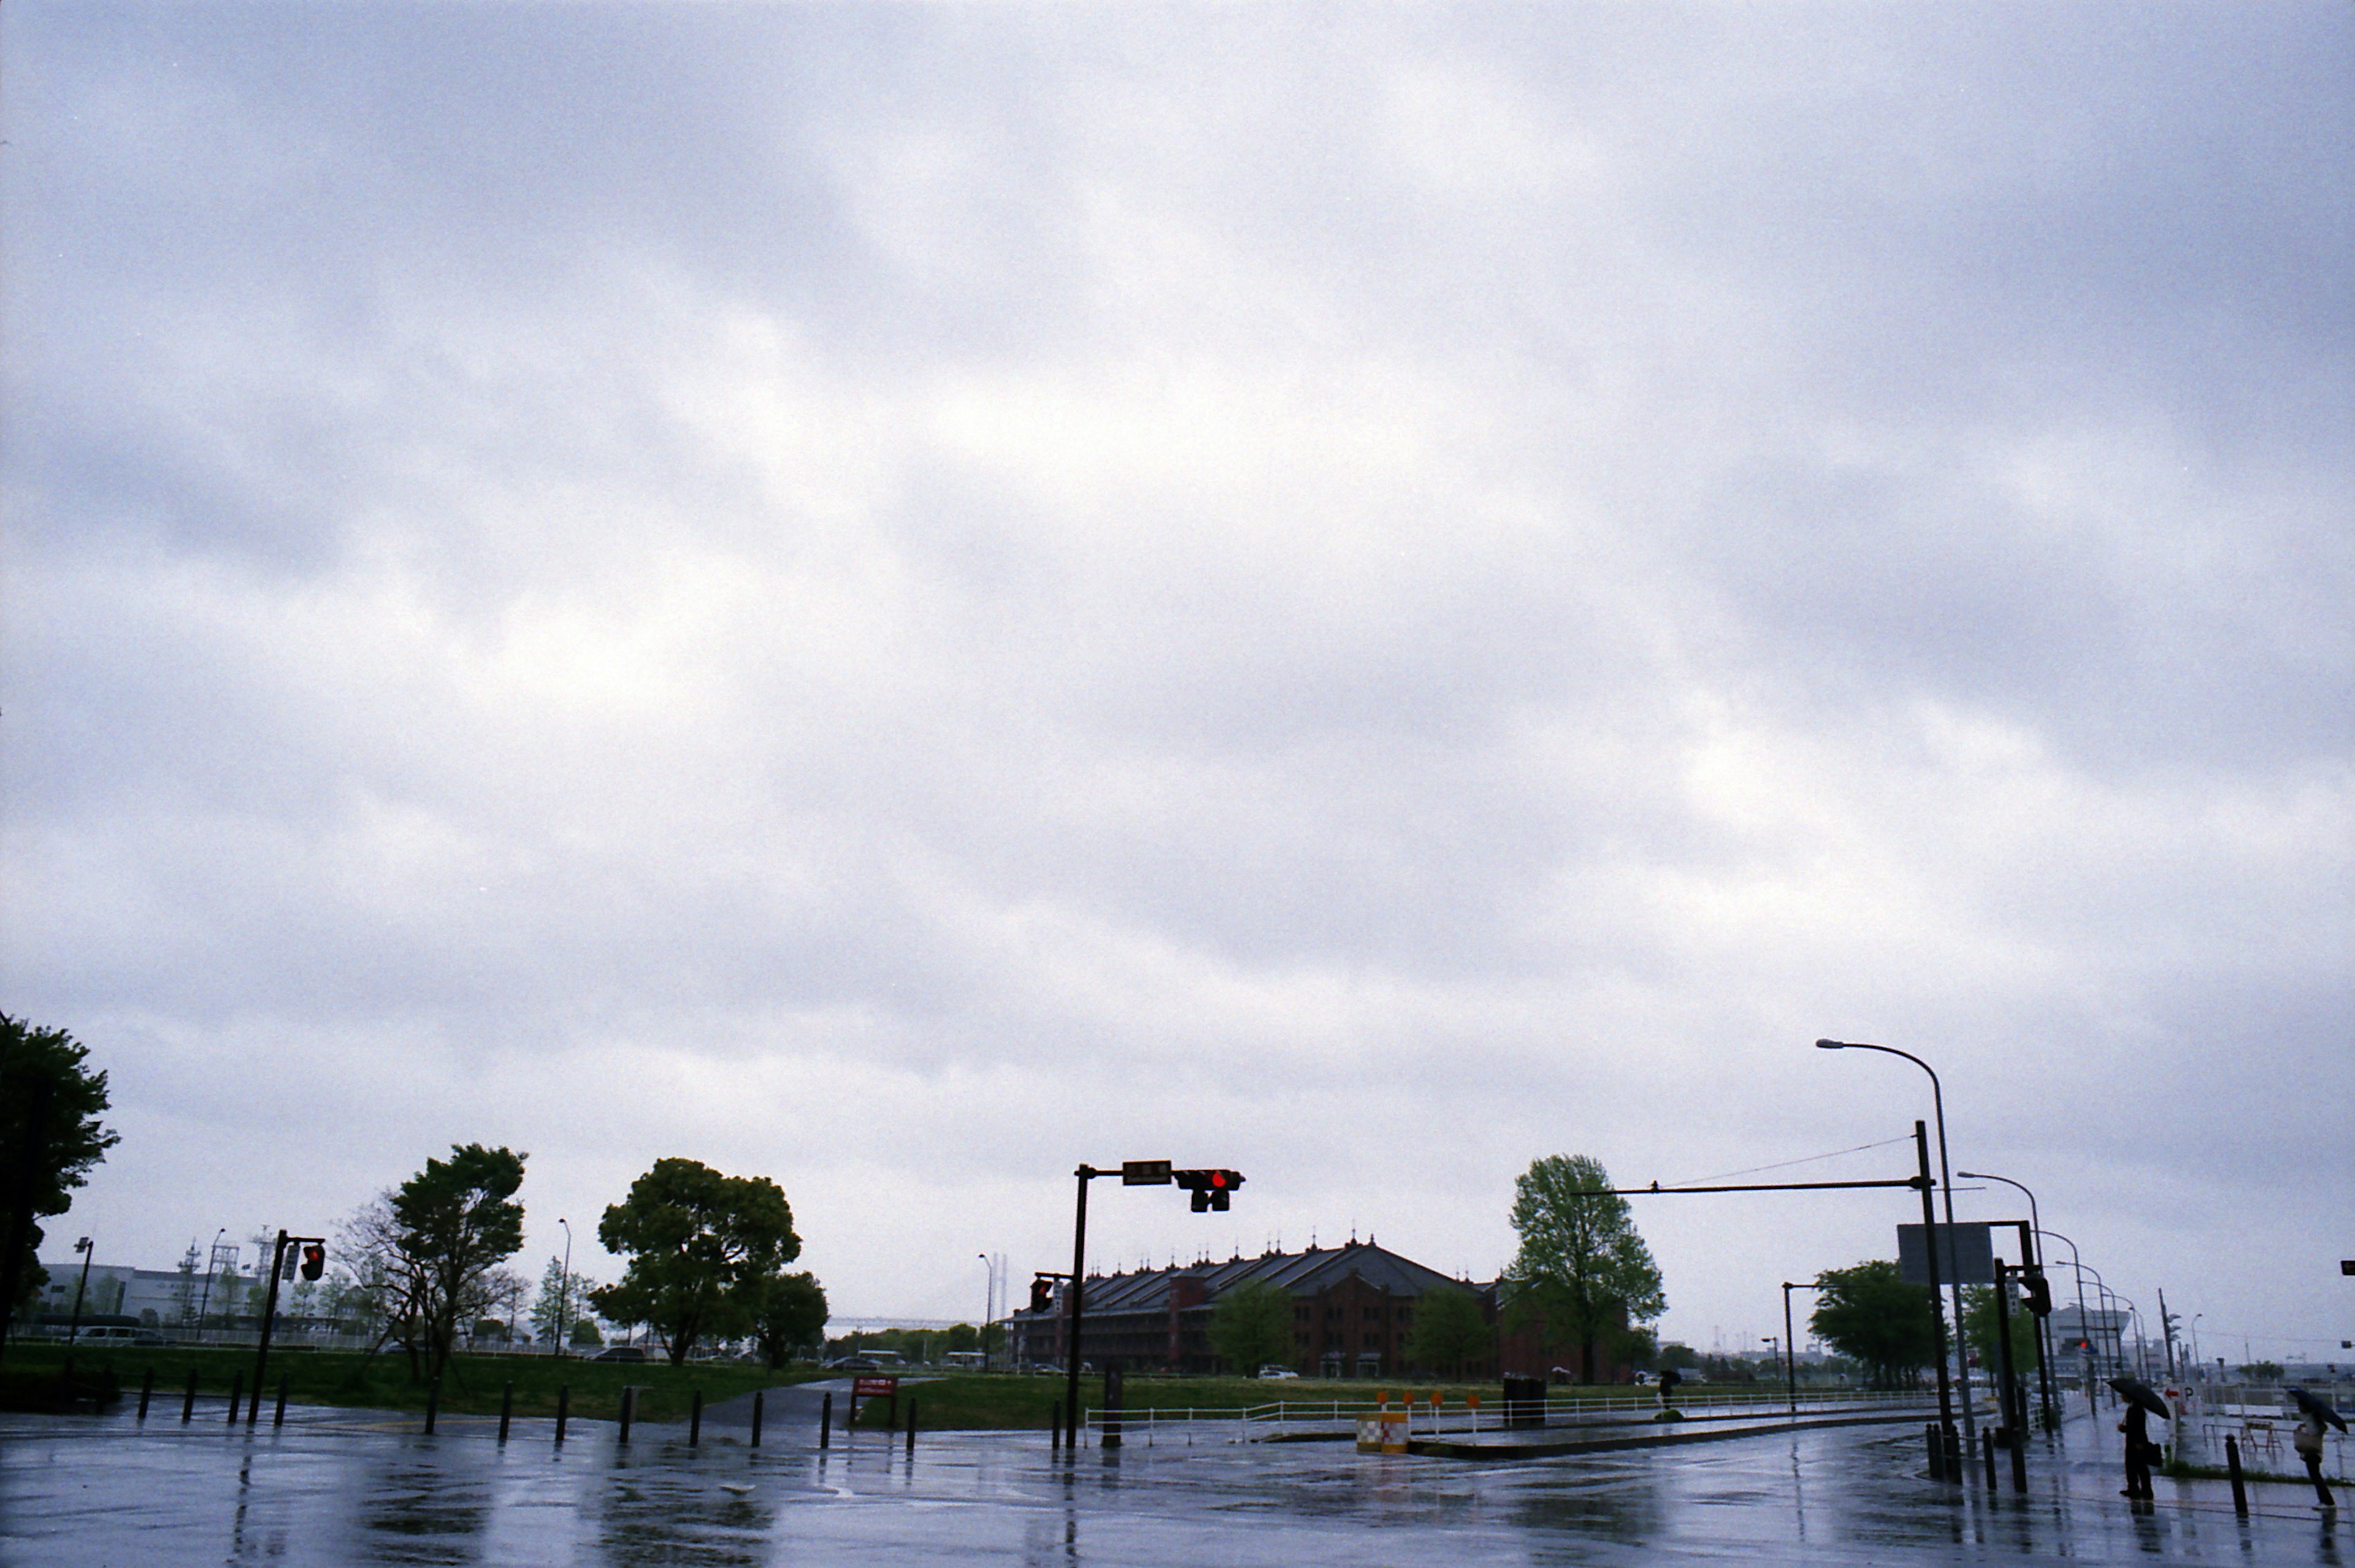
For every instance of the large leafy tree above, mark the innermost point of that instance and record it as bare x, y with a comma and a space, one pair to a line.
792, 1317
1868, 1314
704, 1249
1251, 1327
429, 1251
1583, 1273
50, 1138
1449, 1330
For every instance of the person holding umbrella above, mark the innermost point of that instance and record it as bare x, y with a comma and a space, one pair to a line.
2314, 1415
2142, 1403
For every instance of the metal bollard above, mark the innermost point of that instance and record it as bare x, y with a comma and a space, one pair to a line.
1990, 1458
236, 1395
695, 1421
911, 1427
433, 1404
2239, 1487
1937, 1444
563, 1409
1957, 1471
506, 1409
278, 1416
629, 1409
825, 1421
759, 1394
189, 1400
146, 1388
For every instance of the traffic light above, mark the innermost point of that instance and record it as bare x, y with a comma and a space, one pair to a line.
315, 1260
1043, 1293
1213, 1189
286, 1263
2036, 1292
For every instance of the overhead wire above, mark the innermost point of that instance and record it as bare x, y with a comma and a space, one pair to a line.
1787, 1164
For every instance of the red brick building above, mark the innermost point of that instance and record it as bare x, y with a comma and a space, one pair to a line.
1352, 1308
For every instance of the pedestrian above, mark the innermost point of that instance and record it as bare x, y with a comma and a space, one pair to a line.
2308, 1443
2140, 1451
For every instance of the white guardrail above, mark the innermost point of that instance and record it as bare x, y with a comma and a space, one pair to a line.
1430, 1418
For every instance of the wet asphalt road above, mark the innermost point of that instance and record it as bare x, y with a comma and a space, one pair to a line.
348, 1488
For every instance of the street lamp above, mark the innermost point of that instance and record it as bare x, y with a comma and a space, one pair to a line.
988, 1302
206, 1299
2036, 1227
564, 1287
73, 1329
1947, 1182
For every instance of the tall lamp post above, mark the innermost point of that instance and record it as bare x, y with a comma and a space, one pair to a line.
1946, 1184
564, 1287
73, 1330
2036, 1257
205, 1300
988, 1304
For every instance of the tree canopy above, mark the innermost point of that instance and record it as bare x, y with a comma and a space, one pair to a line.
1449, 1330
1251, 1327
429, 1250
1868, 1314
1583, 1273
50, 1138
792, 1317
704, 1249
1979, 1321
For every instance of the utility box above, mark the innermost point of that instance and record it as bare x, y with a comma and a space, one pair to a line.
1524, 1401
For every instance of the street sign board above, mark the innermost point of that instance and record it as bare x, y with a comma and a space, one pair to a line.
1144, 1173
1966, 1254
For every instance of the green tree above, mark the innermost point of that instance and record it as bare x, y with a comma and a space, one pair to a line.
792, 1317
50, 1138
429, 1250
1583, 1273
703, 1249
1449, 1330
561, 1301
1979, 1323
1251, 1327
1869, 1314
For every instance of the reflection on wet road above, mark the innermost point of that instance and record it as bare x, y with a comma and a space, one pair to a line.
344, 1487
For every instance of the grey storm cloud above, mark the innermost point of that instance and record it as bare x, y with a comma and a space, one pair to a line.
904, 596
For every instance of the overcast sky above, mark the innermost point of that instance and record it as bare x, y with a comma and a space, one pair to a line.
902, 598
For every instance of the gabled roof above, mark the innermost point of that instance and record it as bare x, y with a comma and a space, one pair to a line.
1303, 1274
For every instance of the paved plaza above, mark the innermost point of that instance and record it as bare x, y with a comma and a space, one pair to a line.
338, 1487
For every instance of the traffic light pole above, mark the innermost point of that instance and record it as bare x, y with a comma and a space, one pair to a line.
1086, 1173
1937, 1310
269, 1316
278, 1260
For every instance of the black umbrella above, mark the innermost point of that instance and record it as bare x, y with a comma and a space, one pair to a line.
2134, 1390
2317, 1408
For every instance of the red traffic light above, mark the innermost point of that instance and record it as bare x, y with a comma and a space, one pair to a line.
315, 1260
1211, 1188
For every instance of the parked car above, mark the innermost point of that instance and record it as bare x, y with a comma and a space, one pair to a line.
622, 1353
1277, 1373
854, 1364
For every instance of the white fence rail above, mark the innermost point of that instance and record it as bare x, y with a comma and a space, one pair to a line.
1324, 1417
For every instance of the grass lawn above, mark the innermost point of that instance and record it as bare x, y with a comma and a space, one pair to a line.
473, 1384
